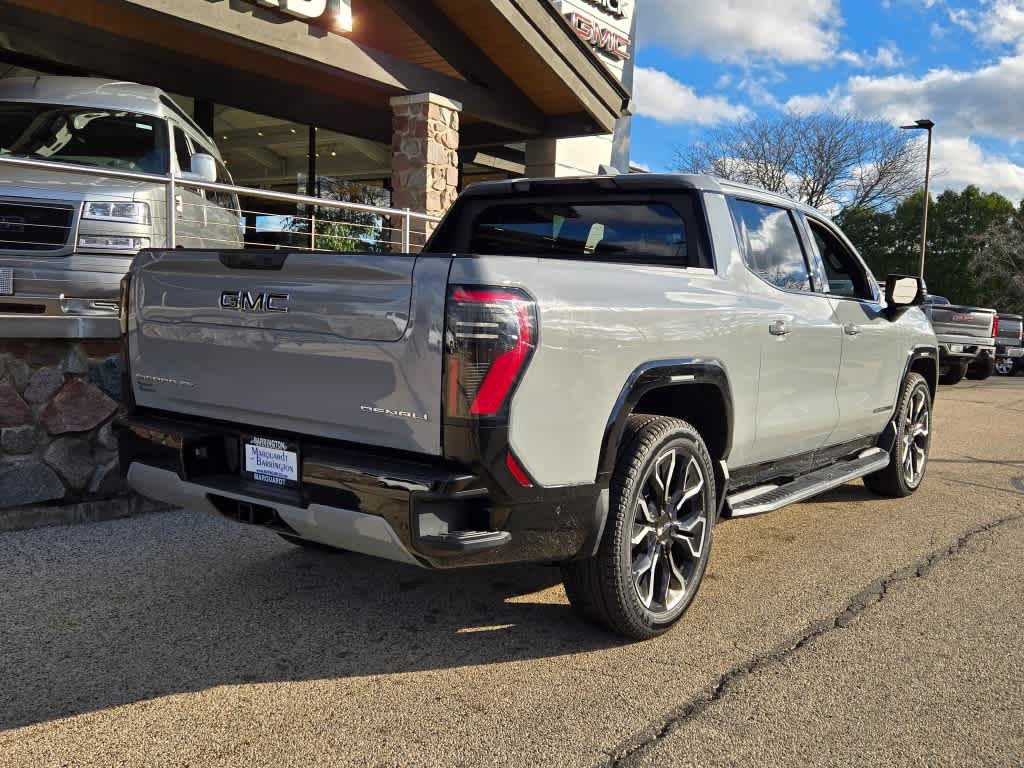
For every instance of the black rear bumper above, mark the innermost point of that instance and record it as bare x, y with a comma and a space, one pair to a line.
444, 514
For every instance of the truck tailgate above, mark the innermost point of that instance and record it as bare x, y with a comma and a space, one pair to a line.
342, 346
954, 320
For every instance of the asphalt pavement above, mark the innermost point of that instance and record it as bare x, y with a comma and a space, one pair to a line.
850, 630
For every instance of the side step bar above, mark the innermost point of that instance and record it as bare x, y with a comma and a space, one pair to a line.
768, 498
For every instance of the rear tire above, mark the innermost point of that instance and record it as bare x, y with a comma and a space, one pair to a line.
953, 375
657, 540
908, 457
981, 368
1004, 366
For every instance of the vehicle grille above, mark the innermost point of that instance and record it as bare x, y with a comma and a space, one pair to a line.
34, 226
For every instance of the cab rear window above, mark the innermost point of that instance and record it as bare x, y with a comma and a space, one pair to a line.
634, 232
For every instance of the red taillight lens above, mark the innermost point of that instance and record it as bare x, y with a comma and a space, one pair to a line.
995, 325
490, 335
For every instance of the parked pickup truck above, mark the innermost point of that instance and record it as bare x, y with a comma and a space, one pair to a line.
1009, 345
966, 335
590, 372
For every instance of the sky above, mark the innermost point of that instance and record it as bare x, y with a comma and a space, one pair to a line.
702, 63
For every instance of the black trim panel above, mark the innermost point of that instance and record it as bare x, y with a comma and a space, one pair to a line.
657, 375
797, 464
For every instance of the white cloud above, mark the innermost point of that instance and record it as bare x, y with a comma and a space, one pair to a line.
660, 96
985, 101
789, 31
960, 161
888, 56
999, 22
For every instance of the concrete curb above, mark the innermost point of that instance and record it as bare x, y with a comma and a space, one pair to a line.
25, 518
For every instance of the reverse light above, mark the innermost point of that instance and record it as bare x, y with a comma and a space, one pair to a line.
490, 335
131, 213
113, 242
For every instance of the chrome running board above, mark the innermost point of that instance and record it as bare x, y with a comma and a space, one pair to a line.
769, 498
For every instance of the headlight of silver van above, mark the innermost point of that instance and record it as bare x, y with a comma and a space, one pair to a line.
130, 213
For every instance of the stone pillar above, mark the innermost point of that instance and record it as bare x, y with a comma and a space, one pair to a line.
424, 159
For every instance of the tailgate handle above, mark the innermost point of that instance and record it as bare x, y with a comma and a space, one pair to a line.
250, 260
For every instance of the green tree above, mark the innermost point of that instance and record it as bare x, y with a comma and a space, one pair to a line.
997, 266
347, 230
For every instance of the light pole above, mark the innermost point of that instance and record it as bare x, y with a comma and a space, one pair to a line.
924, 125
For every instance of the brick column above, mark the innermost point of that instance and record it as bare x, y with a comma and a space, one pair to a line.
424, 158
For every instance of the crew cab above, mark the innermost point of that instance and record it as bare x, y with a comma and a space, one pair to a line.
590, 372
966, 337
1010, 345
67, 239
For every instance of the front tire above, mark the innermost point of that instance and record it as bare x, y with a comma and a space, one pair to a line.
981, 368
908, 457
657, 540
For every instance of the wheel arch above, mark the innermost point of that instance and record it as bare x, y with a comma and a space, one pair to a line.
925, 361
656, 388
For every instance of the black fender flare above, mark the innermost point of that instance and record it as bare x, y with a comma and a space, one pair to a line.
658, 374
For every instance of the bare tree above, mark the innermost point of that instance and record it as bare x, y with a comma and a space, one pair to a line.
998, 265
827, 160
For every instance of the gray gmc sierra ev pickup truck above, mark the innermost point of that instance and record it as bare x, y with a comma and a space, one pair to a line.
590, 372
966, 336
1010, 345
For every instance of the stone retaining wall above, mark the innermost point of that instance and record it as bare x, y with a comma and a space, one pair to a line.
57, 402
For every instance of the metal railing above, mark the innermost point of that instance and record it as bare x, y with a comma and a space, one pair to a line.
397, 229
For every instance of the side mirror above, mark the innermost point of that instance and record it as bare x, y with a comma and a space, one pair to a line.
902, 291
204, 168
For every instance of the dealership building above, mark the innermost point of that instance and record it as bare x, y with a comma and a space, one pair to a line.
413, 98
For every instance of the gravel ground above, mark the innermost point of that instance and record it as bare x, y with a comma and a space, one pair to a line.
851, 630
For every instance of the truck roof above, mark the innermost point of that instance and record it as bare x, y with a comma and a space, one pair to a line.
96, 92
634, 182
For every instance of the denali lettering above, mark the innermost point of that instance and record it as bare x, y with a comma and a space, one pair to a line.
245, 301
390, 412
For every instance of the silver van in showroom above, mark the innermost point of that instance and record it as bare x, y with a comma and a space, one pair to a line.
66, 239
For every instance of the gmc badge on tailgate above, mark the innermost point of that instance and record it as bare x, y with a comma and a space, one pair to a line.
246, 301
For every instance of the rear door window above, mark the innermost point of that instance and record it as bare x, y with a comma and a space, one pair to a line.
633, 232
771, 247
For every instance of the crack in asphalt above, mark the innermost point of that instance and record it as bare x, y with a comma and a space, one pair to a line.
628, 752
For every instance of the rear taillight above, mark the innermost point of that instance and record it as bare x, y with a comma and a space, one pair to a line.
995, 325
490, 335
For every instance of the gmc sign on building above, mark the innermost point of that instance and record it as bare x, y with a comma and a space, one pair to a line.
603, 24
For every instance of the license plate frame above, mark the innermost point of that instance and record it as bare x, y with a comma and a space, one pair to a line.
956, 348
271, 462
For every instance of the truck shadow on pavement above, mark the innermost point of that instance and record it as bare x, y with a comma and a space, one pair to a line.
179, 602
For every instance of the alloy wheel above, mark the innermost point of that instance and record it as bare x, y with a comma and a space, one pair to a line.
670, 528
1004, 367
916, 431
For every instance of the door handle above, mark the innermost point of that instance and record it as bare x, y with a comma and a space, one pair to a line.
851, 330
779, 328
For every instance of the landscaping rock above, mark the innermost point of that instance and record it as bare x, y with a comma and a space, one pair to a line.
28, 482
107, 479
78, 407
106, 438
71, 458
17, 374
106, 374
44, 384
46, 353
13, 410
76, 361
19, 440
